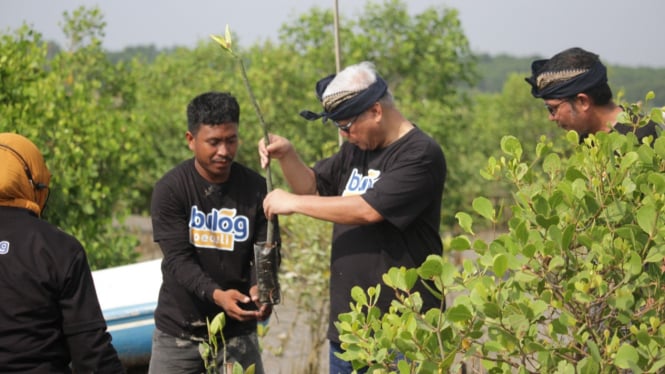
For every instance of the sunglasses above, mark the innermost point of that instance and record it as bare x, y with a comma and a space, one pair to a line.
553, 109
346, 126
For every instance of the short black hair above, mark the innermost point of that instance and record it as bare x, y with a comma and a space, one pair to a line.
212, 108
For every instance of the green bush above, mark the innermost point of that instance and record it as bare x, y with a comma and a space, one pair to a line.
574, 286
76, 108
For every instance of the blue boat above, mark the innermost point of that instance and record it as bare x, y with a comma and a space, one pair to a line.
128, 297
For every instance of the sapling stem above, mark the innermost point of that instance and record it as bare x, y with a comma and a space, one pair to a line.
225, 43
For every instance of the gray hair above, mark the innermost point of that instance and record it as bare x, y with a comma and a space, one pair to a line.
350, 81
353, 78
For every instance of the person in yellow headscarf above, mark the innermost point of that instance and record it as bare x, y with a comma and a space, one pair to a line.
50, 318
24, 177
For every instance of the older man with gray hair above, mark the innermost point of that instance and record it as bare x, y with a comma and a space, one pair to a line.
382, 190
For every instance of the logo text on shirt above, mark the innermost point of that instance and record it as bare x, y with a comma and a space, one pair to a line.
4, 247
217, 229
358, 183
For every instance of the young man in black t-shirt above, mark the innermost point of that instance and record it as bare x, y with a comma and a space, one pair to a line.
207, 215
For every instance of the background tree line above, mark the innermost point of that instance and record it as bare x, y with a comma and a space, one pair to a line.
110, 124
629, 82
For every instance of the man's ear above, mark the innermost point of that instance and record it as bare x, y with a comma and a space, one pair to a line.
376, 109
190, 140
583, 100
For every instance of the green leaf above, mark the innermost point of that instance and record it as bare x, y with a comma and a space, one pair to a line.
622, 299
646, 218
656, 115
626, 357
529, 250
512, 146
219, 40
374, 291
572, 137
555, 263
465, 222
218, 323
524, 277
403, 367
491, 310
459, 313
658, 181
628, 186
484, 207
567, 237
559, 327
349, 338
656, 254
616, 210
659, 146
410, 278
579, 188
358, 295
88, 209
237, 368
573, 173
432, 267
588, 366
634, 264
593, 350
500, 264
567, 319
204, 350
460, 243
628, 160
624, 118
227, 36
552, 164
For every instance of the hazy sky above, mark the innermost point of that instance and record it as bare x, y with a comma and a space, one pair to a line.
622, 32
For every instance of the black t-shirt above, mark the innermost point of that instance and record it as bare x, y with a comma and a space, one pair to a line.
404, 183
206, 233
49, 312
641, 132
650, 129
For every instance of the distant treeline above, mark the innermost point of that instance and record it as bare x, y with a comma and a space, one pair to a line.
631, 82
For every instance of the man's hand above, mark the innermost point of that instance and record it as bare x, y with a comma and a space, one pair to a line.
229, 300
298, 175
279, 202
264, 309
277, 149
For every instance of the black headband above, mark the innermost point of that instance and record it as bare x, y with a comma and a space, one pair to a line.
351, 107
558, 89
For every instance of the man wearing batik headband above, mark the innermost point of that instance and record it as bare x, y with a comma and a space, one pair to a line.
573, 84
382, 190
